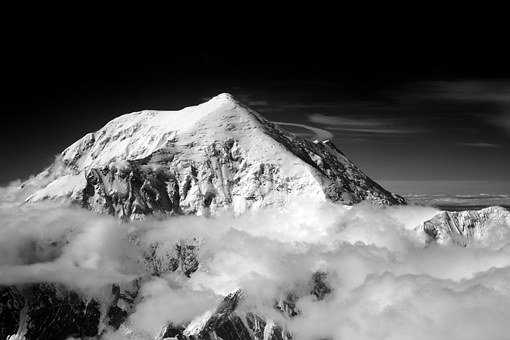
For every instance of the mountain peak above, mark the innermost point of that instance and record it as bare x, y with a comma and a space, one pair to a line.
218, 101
224, 97
215, 155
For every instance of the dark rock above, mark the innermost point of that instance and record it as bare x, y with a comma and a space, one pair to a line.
320, 286
256, 324
11, 304
47, 311
188, 257
135, 191
122, 304
228, 324
184, 257
172, 332
287, 304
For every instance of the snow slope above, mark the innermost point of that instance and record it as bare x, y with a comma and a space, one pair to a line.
199, 160
468, 227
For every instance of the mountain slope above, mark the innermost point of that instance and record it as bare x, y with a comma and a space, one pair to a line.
468, 227
199, 160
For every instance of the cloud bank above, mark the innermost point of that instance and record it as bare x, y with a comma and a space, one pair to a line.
386, 282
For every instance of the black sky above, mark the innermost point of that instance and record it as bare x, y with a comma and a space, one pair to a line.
421, 108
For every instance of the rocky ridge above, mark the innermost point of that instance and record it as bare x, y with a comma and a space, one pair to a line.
464, 228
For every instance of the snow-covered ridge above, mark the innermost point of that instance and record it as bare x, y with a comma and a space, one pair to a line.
468, 227
137, 135
201, 159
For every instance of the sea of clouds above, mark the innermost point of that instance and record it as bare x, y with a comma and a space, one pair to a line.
386, 281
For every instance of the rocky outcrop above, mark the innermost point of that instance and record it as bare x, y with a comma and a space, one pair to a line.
121, 305
130, 193
200, 160
52, 311
47, 311
11, 305
229, 322
465, 227
184, 258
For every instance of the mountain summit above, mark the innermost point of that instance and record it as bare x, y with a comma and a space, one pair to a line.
198, 160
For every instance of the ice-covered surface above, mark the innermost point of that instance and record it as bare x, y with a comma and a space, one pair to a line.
139, 134
200, 160
468, 227
198, 324
66, 185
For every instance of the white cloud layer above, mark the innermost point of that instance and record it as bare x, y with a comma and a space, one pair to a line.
387, 284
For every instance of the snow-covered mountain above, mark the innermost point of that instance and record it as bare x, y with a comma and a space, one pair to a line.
199, 160
467, 227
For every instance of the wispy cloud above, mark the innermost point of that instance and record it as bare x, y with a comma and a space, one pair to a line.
504, 120
388, 131
318, 132
479, 145
472, 90
257, 103
364, 125
496, 93
342, 121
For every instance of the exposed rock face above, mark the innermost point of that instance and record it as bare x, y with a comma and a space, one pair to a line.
121, 305
465, 227
11, 305
45, 311
52, 311
184, 258
320, 286
199, 160
226, 323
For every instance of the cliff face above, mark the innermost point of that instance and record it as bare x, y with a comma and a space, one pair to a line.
53, 311
200, 160
46, 311
225, 322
